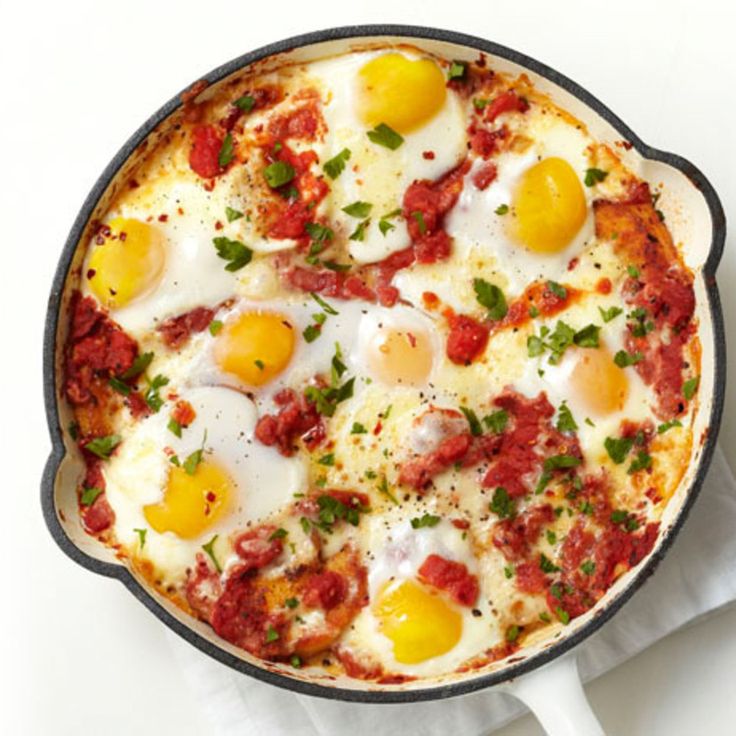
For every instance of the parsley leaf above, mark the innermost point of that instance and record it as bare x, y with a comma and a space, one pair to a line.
141, 362
565, 420
643, 461
633, 271
480, 103
174, 427
209, 548
336, 165
234, 251
618, 448
557, 289
611, 313
232, 214
358, 428
385, 224
195, 458
471, 416
560, 462
141, 536
329, 309
690, 387
215, 327
89, 495
418, 215
226, 151
328, 459
120, 386
502, 504
563, 615
623, 359
152, 396
587, 337
319, 233
427, 520
103, 446
668, 425
359, 233
457, 70
245, 103
594, 176
383, 135
491, 297
588, 567
502, 209
547, 565
497, 421
278, 173
358, 209
384, 489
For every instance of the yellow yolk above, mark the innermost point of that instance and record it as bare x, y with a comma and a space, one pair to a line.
549, 206
420, 624
191, 503
400, 356
255, 347
598, 382
129, 263
402, 93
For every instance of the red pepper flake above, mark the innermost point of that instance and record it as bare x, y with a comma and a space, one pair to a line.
211, 497
163, 218
377, 429
218, 225
412, 340
90, 273
604, 286
431, 300
573, 264
429, 155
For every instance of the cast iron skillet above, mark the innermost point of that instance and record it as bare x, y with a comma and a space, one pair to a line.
702, 231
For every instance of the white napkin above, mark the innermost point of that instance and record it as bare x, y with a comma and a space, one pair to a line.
697, 577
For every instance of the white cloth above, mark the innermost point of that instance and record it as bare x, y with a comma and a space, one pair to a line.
697, 577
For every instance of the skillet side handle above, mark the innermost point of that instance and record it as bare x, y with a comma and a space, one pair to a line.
555, 695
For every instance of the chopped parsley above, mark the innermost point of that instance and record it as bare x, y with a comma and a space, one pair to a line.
546, 565
502, 209
271, 634
633, 271
141, 362
89, 495
383, 135
336, 165
557, 289
385, 490
588, 567
103, 446
385, 224
174, 427
594, 176
358, 209
473, 421
332, 510
238, 254
458, 70
618, 448
328, 309
497, 421
195, 458
291, 602
587, 337
512, 633
640, 326
565, 419
624, 359
245, 103
326, 399
225, 156
560, 339
120, 386
358, 428
668, 425
643, 461
232, 214
215, 327
359, 233
690, 387
259, 364
319, 233
611, 313
491, 297
561, 462
296, 661
508, 571
279, 533
563, 615
502, 504
427, 520
278, 173
152, 396
626, 519
328, 459
209, 548
551, 537
141, 536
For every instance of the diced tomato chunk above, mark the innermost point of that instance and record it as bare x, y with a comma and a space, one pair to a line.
205, 152
452, 577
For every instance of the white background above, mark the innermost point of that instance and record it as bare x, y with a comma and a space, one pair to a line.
78, 655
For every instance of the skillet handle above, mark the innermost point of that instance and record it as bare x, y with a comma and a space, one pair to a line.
554, 693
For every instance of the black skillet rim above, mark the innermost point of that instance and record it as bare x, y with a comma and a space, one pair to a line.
275, 678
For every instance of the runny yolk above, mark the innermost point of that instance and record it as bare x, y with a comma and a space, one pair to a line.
127, 264
255, 347
598, 382
401, 92
549, 206
191, 503
420, 624
400, 356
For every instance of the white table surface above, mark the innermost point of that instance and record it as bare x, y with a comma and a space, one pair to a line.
78, 655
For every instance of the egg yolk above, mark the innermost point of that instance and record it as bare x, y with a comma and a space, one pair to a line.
400, 92
129, 263
400, 356
191, 503
255, 347
598, 382
420, 624
549, 206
